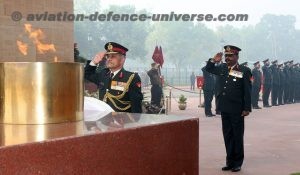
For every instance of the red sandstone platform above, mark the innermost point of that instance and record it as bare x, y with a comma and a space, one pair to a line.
119, 143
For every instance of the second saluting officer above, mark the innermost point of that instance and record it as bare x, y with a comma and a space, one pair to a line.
234, 98
119, 88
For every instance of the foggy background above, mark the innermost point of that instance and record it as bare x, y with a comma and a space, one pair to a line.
272, 31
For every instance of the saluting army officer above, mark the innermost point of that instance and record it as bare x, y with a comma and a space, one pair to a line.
119, 88
234, 98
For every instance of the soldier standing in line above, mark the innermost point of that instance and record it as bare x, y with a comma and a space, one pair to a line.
256, 85
267, 82
286, 89
281, 85
275, 82
295, 82
208, 90
234, 100
292, 82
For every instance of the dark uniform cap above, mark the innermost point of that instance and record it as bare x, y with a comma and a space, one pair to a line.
230, 50
112, 48
291, 61
266, 60
280, 65
287, 62
257, 62
244, 63
275, 61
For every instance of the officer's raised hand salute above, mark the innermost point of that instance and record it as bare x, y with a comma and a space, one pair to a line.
99, 57
218, 57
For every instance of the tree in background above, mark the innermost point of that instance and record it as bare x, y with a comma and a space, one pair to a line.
185, 43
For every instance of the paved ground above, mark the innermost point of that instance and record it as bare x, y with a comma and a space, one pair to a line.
272, 139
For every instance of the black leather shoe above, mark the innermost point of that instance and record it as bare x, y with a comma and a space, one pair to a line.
226, 168
236, 169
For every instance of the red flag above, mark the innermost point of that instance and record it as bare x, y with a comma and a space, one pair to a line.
155, 55
161, 57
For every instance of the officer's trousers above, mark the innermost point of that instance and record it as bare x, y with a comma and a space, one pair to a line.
233, 133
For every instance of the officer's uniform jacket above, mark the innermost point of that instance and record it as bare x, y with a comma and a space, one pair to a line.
122, 92
234, 93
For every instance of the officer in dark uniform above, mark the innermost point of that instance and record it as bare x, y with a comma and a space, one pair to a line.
275, 82
156, 88
208, 90
256, 85
119, 88
293, 82
287, 75
267, 82
281, 85
234, 100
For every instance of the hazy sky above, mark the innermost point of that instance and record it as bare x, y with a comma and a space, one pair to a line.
254, 8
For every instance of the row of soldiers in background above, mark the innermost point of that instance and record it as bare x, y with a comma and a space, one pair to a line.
281, 81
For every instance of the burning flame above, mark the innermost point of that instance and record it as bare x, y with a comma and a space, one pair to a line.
36, 35
22, 47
